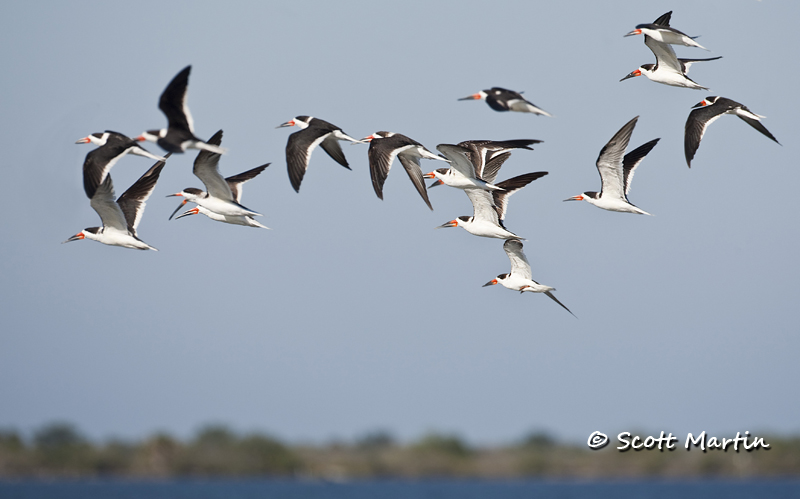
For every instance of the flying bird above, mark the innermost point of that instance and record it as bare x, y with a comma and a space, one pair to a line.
708, 110
179, 134
489, 208
219, 196
520, 277
501, 99
121, 217
461, 174
313, 132
616, 172
384, 147
472, 160
236, 183
660, 31
668, 69
112, 147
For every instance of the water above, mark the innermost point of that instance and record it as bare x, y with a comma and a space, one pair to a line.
428, 489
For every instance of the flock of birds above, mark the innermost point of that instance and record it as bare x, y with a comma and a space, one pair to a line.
472, 165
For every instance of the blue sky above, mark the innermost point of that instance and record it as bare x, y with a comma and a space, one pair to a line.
353, 314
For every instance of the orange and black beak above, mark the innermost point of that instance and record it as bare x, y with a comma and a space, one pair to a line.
490, 283
451, 223
179, 206
638, 72
193, 211
76, 237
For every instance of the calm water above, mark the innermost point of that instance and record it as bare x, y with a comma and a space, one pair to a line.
279, 489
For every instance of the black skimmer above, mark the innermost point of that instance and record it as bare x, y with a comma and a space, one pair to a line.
501, 99
490, 208
660, 31
313, 132
112, 147
708, 110
121, 217
616, 172
179, 134
461, 174
472, 160
235, 183
383, 148
219, 197
520, 278
668, 69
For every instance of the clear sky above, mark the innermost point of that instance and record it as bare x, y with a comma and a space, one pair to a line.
353, 314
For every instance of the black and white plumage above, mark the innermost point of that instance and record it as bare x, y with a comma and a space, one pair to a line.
489, 155
121, 217
520, 278
384, 147
218, 196
313, 132
668, 69
472, 162
462, 173
489, 208
112, 147
660, 31
501, 99
616, 172
179, 134
707, 111
236, 184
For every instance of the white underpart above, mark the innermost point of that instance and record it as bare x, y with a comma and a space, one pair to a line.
526, 107
671, 37
141, 152
747, 114
220, 206
459, 181
236, 220
343, 136
518, 283
485, 228
615, 204
197, 144
667, 77
668, 68
114, 237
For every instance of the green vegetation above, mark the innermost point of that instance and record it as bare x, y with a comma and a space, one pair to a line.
60, 450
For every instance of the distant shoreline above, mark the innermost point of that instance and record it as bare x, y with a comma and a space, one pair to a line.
59, 451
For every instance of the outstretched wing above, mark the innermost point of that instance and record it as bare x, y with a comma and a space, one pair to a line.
206, 168
519, 263
411, 164
235, 182
509, 187
331, 146
609, 162
173, 102
298, 152
133, 200
632, 160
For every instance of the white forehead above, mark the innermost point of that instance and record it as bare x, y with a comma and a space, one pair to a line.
101, 140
